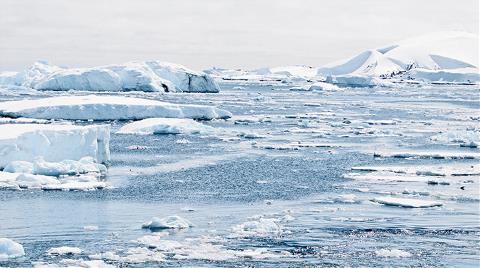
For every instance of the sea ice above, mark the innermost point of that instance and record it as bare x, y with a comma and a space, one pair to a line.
10, 249
93, 107
406, 202
398, 253
171, 222
259, 227
64, 251
166, 126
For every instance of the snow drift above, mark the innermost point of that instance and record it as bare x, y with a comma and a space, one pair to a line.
138, 76
106, 108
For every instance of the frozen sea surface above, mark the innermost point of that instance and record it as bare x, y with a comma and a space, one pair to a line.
297, 189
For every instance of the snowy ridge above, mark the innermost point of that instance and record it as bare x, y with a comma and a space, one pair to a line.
442, 56
138, 76
370, 62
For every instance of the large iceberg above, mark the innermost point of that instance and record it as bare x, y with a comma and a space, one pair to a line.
106, 108
54, 143
138, 76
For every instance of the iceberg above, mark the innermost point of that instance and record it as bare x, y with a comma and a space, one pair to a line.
10, 249
54, 143
165, 126
93, 107
139, 76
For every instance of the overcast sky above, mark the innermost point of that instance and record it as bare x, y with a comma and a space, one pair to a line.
224, 33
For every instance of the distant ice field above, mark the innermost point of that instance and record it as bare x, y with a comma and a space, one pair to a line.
293, 179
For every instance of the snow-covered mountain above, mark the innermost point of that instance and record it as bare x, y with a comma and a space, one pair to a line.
140, 76
370, 62
441, 56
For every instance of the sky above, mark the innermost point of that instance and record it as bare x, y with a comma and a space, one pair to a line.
223, 33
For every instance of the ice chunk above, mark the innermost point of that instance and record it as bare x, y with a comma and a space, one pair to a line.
64, 251
171, 222
406, 202
140, 76
106, 108
259, 227
10, 249
55, 143
90, 228
67, 167
398, 253
166, 126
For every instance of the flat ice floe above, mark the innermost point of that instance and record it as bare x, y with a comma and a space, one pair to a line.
138, 76
398, 253
165, 126
10, 249
94, 107
406, 202
64, 251
55, 143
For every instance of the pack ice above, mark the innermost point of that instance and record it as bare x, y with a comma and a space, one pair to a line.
138, 76
106, 108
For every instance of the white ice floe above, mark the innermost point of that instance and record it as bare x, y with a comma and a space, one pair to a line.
464, 138
138, 76
398, 253
428, 154
90, 228
406, 202
275, 74
55, 143
64, 250
63, 175
171, 222
258, 227
10, 249
106, 108
166, 126
205, 248
72, 263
